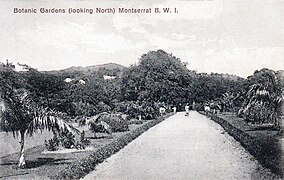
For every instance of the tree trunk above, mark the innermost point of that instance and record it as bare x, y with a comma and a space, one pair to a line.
22, 160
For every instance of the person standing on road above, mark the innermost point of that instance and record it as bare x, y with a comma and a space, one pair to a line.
207, 109
186, 109
175, 109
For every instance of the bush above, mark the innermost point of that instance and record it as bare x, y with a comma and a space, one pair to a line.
102, 107
149, 111
63, 139
116, 121
134, 109
257, 113
83, 109
52, 144
67, 139
83, 143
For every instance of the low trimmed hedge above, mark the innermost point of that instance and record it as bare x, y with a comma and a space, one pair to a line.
86, 165
266, 149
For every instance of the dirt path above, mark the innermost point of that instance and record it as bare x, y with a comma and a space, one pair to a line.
180, 147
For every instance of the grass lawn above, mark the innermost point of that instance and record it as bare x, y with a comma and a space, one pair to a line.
39, 164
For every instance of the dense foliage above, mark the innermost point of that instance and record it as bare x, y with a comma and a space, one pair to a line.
39, 100
65, 139
263, 97
159, 79
23, 115
159, 76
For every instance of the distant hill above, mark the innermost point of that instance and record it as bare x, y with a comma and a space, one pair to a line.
231, 77
108, 68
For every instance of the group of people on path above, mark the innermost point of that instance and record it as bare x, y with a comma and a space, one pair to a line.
207, 109
162, 110
187, 107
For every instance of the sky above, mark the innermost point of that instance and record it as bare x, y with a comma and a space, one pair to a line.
222, 36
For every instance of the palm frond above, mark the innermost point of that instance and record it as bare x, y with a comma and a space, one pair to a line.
95, 119
50, 120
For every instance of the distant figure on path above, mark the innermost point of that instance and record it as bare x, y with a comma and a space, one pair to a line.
186, 109
162, 111
175, 109
193, 106
207, 109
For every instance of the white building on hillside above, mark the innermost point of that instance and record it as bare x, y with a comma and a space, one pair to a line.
109, 77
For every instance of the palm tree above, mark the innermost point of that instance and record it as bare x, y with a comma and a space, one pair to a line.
22, 116
227, 101
266, 90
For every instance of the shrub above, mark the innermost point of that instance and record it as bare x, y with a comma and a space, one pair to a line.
258, 113
83, 109
63, 138
67, 139
102, 107
134, 109
83, 142
116, 121
149, 111
52, 144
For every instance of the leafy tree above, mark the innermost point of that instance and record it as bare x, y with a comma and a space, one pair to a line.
218, 87
46, 88
159, 76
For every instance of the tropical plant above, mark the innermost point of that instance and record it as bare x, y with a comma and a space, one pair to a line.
264, 93
52, 144
22, 116
227, 101
96, 125
106, 122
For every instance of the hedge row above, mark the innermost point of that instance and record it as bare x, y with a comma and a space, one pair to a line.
86, 165
266, 149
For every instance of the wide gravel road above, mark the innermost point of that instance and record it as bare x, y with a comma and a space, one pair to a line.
181, 147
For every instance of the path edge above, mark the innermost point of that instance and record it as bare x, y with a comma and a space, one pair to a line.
254, 145
84, 166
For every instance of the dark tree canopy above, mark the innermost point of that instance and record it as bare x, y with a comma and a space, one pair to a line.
159, 76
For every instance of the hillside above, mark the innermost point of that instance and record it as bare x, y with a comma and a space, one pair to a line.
109, 68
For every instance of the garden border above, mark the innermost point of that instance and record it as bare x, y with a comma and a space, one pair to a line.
84, 166
266, 149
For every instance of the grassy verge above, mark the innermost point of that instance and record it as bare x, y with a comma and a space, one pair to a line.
86, 165
264, 145
58, 166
